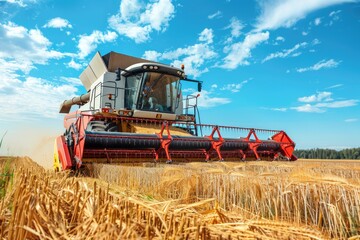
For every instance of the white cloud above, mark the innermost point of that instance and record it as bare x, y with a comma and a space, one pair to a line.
194, 56
234, 87
335, 86
88, 43
321, 96
285, 53
214, 86
238, 53
215, 15
73, 81
315, 42
74, 65
21, 3
23, 96
208, 100
152, 55
22, 48
282, 109
317, 21
320, 102
338, 104
137, 21
236, 26
279, 109
319, 65
349, 120
334, 15
58, 22
285, 13
304, 33
280, 39
42, 99
308, 108
206, 36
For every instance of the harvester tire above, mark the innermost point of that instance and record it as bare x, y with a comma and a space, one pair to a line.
111, 127
97, 127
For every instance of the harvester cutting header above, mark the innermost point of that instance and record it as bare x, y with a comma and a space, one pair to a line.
134, 111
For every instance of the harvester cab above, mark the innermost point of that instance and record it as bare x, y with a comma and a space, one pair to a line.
134, 111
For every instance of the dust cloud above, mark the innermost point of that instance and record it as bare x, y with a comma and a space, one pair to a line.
33, 140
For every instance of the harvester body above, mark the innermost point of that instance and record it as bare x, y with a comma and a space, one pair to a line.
134, 111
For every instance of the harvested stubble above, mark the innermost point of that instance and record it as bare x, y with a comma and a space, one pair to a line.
317, 194
45, 205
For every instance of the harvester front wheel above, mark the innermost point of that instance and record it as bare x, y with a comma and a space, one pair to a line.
102, 126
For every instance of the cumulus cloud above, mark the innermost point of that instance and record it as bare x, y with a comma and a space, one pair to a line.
285, 13
207, 99
317, 21
88, 43
74, 65
58, 22
217, 14
238, 53
320, 102
42, 99
22, 48
338, 104
235, 26
308, 108
334, 15
152, 55
23, 96
234, 87
206, 35
315, 42
320, 65
21, 3
194, 56
318, 97
137, 21
286, 52
280, 39
71, 80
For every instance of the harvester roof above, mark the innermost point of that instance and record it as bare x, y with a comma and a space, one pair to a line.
107, 63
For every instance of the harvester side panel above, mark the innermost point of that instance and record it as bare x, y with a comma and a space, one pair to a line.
63, 153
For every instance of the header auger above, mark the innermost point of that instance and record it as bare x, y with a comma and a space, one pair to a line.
134, 111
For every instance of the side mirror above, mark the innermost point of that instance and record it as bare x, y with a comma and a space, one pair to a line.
199, 86
118, 74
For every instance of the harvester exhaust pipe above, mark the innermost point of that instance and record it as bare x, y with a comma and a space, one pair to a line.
79, 100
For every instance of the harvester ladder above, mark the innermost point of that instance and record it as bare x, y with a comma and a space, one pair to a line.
192, 109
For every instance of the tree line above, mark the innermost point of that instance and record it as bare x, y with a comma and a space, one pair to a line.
318, 153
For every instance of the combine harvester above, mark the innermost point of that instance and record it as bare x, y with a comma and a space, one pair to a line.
134, 111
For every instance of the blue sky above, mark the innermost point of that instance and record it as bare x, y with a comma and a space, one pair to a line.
291, 65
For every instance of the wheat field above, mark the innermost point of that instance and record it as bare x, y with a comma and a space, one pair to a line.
307, 199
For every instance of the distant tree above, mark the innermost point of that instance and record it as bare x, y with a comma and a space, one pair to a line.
318, 153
